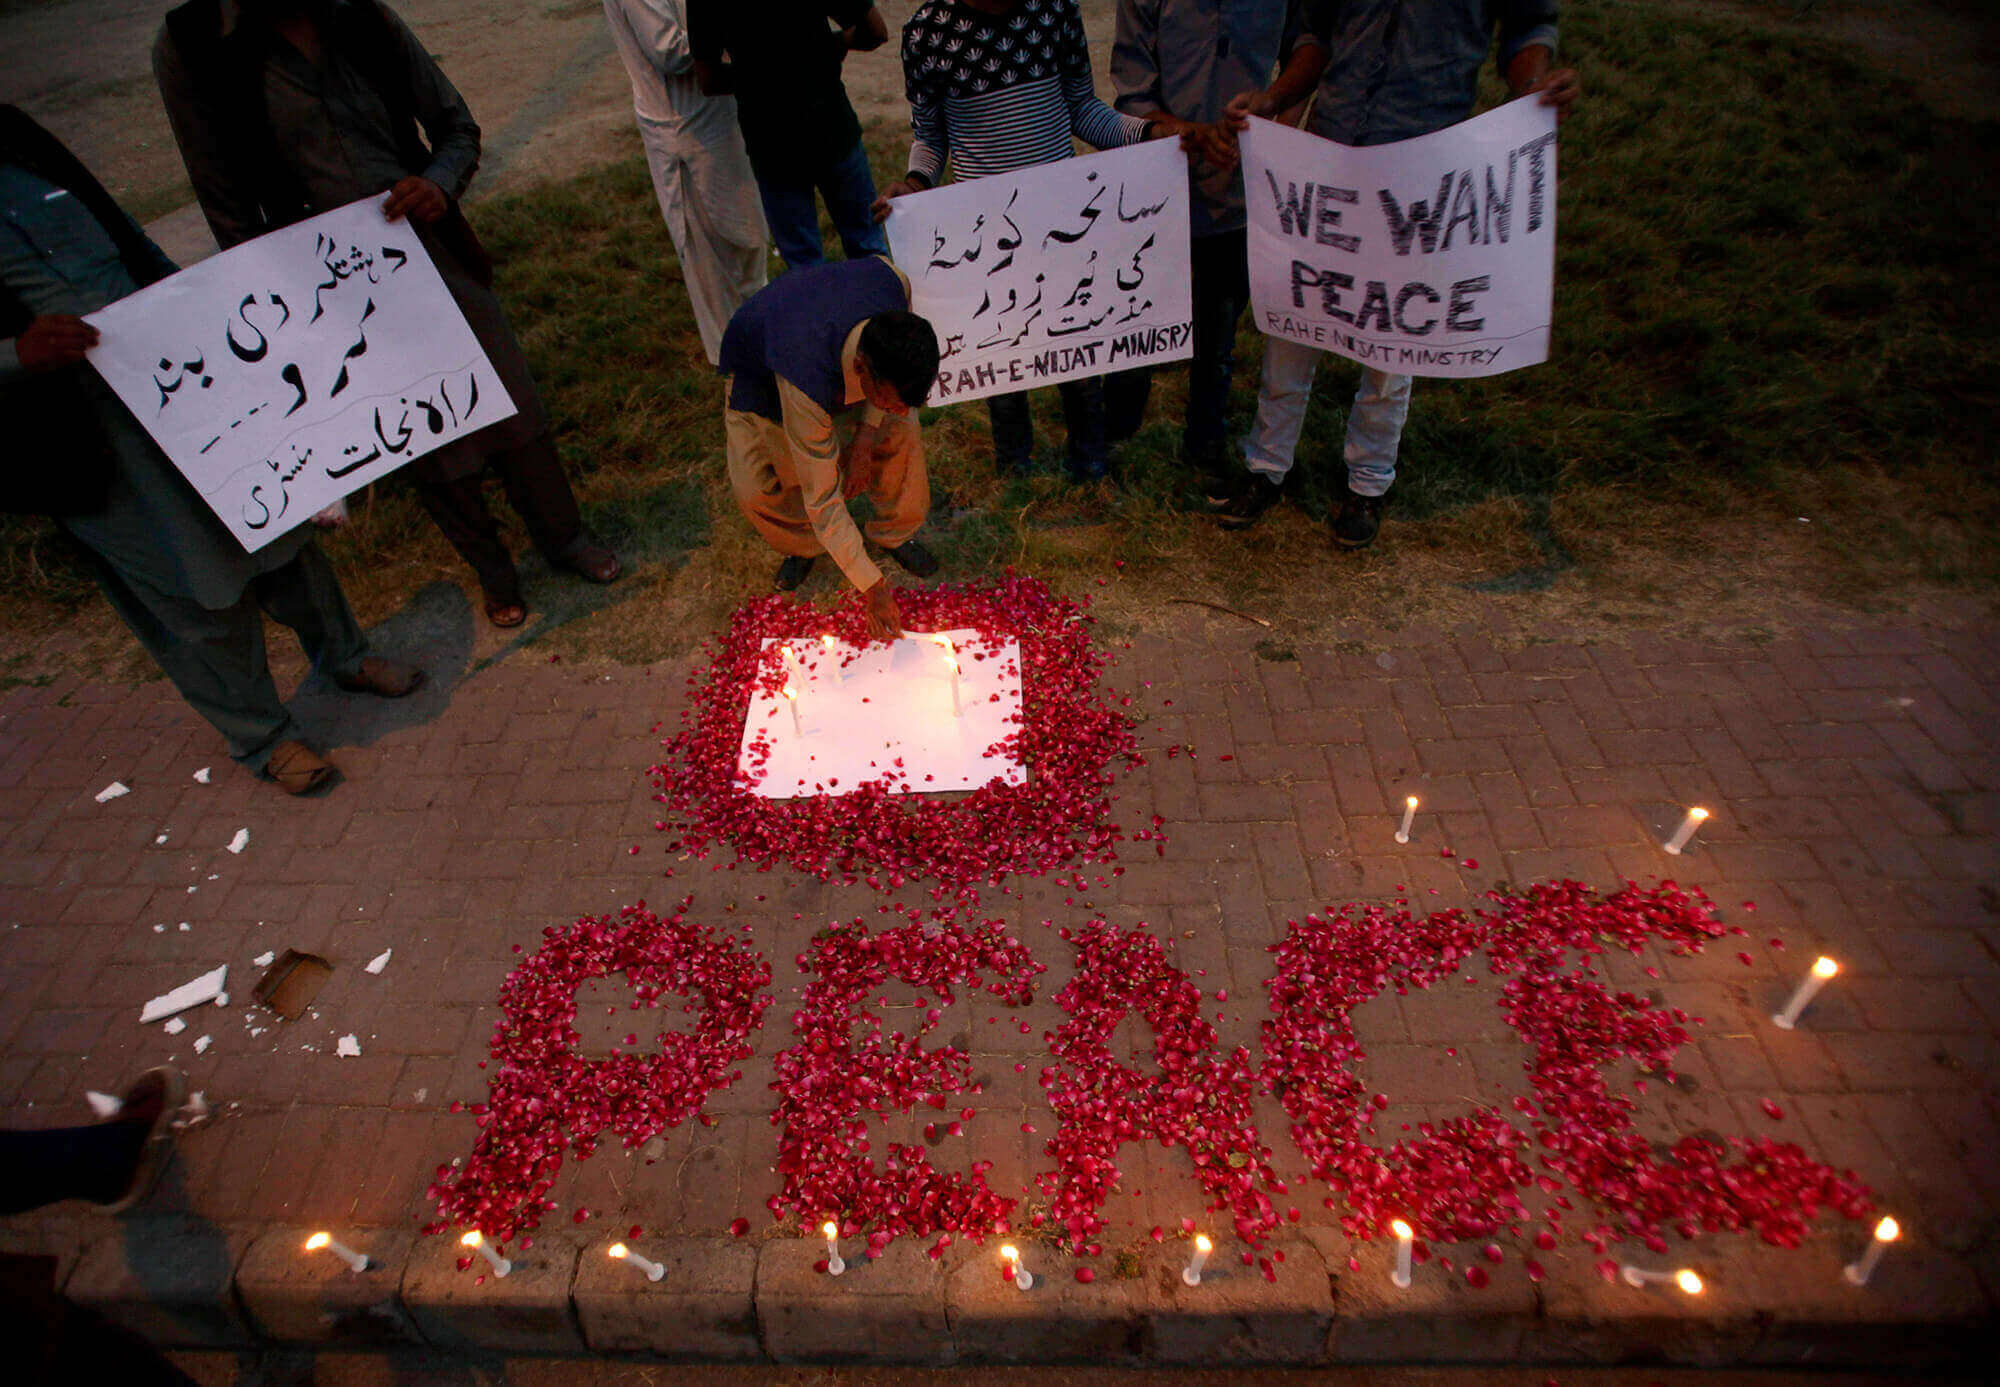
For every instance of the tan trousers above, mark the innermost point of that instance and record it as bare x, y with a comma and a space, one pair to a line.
774, 498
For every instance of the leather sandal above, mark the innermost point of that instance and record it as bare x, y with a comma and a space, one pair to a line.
506, 613
593, 563
297, 769
383, 678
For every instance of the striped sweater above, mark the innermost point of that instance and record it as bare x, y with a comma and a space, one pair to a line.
994, 93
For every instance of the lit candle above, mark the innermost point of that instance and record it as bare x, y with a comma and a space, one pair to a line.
501, 1266
951, 663
1409, 817
1857, 1273
792, 702
1010, 1260
1404, 1237
1694, 820
793, 664
618, 1252
357, 1262
1685, 1278
834, 1266
1823, 970
832, 660
1191, 1273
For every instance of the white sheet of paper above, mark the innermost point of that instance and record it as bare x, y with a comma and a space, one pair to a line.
1428, 257
890, 702
1054, 273
291, 370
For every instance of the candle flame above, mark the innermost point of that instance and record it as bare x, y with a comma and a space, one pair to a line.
618, 1250
827, 641
1688, 1282
1400, 1228
1888, 1230
790, 693
1824, 967
831, 1229
471, 1239
319, 1240
1698, 814
1411, 802
1010, 1253
1202, 1244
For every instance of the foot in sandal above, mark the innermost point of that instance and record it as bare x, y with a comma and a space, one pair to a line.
297, 769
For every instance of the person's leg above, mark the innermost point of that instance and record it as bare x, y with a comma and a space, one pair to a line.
1013, 431
539, 491
849, 190
306, 595
1282, 396
459, 509
793, 216
766, 491
216, 660
1125, 397
902, 489
57, 1163
1375, 431
1221, 289
1087, 454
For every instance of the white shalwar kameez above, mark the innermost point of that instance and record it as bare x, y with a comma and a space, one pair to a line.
701, 173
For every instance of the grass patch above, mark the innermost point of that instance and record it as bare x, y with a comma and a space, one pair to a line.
1771, 305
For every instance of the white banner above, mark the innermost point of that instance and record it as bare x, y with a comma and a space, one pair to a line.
1060, 271
1430, 257
296, 368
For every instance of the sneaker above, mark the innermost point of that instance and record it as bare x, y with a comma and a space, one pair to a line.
1253, 495
792, 572
146, 1119
1360, 517
916, 560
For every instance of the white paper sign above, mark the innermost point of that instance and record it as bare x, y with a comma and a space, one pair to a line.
1054, 273
296, 368
1430, 257
883, 714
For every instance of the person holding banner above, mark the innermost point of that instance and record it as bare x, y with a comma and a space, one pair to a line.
180, 581
817, 344
286, 108
1000, 85
701, 175
1397, 69
1188, 58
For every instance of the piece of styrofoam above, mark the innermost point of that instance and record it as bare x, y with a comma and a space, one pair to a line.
890, 703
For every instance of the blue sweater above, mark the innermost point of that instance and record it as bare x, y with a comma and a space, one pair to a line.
795, 328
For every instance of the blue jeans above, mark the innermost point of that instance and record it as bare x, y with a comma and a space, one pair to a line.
849, 190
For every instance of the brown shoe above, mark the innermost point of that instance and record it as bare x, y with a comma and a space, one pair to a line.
152, 1100
383, 678
298, 770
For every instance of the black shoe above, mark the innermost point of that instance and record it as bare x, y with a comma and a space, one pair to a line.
1096, 470
1360, 517
916, 560
1254, 495
792, 572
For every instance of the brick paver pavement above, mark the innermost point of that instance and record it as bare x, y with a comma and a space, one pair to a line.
1854, 777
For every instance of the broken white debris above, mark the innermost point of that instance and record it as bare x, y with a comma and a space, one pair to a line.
240, 841
183, 926
348, 1047
202, 775
201, 1046
159, 929
159, 840
222, 999
113, 790
175, 1026
205, 988
379, 962
103, 1104
264, 959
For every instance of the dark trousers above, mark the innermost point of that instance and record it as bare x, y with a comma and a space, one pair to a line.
849, 190
535, 485
217, 658
55, 1163
1220, 287
1083, 418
